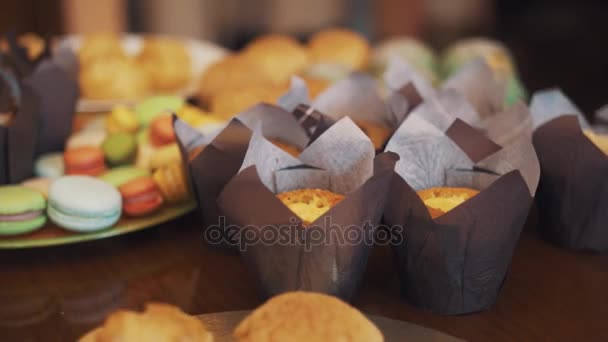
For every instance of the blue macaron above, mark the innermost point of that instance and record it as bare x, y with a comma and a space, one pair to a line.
83, 203
50, 165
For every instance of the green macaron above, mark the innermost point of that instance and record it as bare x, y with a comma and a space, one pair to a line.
121, 175
21, 210
147, 110
119, 148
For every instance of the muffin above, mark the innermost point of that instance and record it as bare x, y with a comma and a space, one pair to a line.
233, 101
159, 322
440, 200
306, 316
166, 62
339, 46
376, 132
599, 140
291, 149
309, 204
279, 56
113, 78
420, 56
99, 46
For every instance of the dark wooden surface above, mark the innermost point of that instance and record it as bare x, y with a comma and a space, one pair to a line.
56, 294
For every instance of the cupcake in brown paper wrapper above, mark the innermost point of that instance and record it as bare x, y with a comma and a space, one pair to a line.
19, 105
212, 160
330, 254
573, 190
456, 263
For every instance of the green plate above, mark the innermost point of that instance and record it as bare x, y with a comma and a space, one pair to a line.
52, 235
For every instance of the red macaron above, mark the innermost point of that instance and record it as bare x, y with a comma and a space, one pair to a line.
86, 160
161, 131
140, 196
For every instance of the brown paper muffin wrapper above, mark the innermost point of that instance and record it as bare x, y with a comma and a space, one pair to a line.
279, 251
573, 190
457, 263
18, 138
223, 154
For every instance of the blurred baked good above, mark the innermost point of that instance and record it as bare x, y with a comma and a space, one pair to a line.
291, 149
197, 117
172, 182
159, 322
309, 204
167, 63
440, 200
306, 316
416, 53
232, 101
279, 56
121, 120
339, 46
316, 85
496, 55
99, 46
599, 140
376, 132
113, 78
33, 43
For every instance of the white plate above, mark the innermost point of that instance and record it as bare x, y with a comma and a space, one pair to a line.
202, 55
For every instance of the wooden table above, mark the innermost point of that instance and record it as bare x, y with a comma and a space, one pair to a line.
56, 294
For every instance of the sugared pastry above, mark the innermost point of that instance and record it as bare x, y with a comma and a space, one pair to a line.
420, 56
41, 184
99, 46
161, 131
278, 55
49, 165
291, 149
167, 154
171, 180
232, 72
150, 108
140, 196
440, 200
376, 132
119, 149
83, 203
21, 210
121, 120
234, 101
84, 161
167, 63
309, 204
306, 316
159, 323
113, 79
123, 174
496, 55
339, 46
600, 140
86, 138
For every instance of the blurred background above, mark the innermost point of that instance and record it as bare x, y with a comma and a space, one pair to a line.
555, 42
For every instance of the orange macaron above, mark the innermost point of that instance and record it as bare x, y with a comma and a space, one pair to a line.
86, 160
161, 131
140, 196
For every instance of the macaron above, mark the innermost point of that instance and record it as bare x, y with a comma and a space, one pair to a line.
49, 165
86, 138
195, 116
119, 148
84, 161
161, 130
83, 203
41, 185
140, 196
145, 152
147, 110
121, 120
168, 154
21, 210
121, 175
171, 180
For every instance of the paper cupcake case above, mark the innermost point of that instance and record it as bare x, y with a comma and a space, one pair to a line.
211, 168
340, 160
457, 263
573, 192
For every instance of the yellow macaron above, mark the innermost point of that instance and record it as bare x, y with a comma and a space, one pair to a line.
172, 182
121, 120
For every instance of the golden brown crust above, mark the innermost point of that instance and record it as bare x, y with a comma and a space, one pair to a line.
167, 63
159, 322
340, 46
309, 204
453, 197
377, 133
306, 316
113, 78
291, 149
100, 46
233, 101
